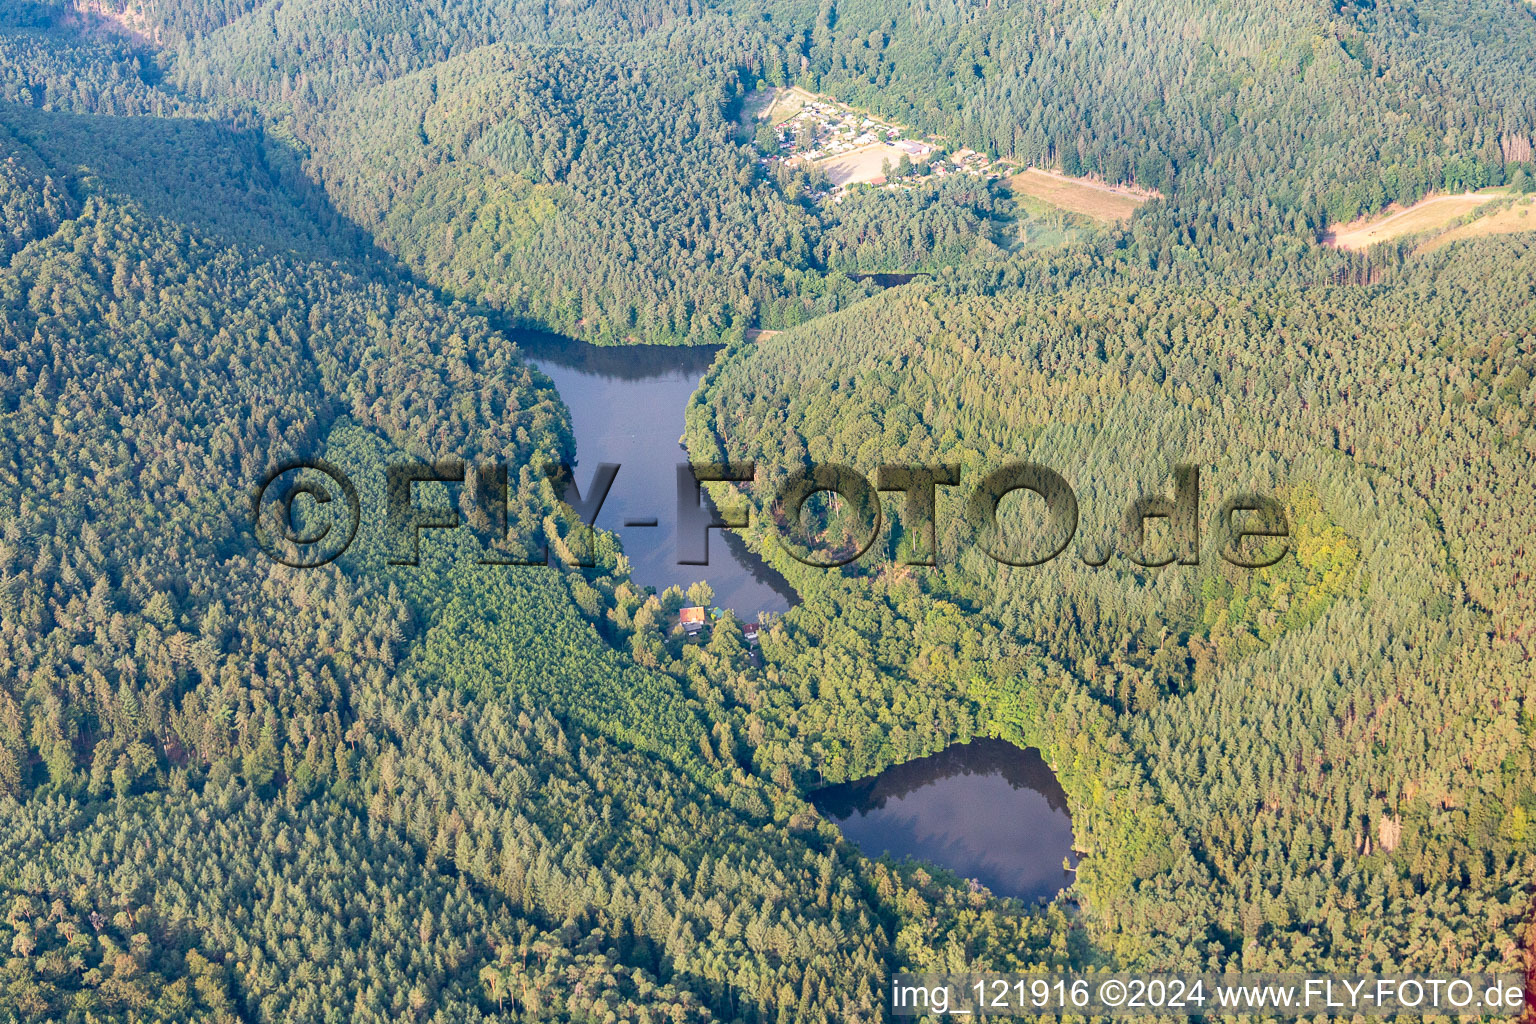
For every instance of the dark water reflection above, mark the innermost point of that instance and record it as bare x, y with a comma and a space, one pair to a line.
985, 810
627, 406
890, 280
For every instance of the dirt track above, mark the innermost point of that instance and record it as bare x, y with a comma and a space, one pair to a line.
1424, 215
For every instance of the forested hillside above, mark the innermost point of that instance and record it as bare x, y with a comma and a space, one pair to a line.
234, 233
292, 734
496, 175
239, 792
1262, 126
1306, 725
1296, 107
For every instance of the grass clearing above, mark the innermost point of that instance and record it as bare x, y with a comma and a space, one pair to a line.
1432, 214
1104, 203
775, 105
1513, 219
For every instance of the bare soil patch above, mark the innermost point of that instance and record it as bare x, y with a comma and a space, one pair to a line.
1430, 214
861, 165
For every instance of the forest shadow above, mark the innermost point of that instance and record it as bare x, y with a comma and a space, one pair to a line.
237, 185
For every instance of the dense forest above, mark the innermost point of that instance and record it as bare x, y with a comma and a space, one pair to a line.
1259, 729
236, 233
1261, 126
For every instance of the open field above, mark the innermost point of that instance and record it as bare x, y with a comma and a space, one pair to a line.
1078, 195
774, 105
860, 165
1519, 217
787, 103
1431, 214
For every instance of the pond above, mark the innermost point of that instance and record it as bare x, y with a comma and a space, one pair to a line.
627, 406
986, 810
890, 279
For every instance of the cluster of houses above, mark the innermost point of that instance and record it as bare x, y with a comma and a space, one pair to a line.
823, 130
695, 620
968, 161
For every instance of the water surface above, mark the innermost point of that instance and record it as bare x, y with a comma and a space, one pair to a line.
627, 406
890, 279
986, 810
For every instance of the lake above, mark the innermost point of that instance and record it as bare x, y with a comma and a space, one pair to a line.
986, 810
627, 406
